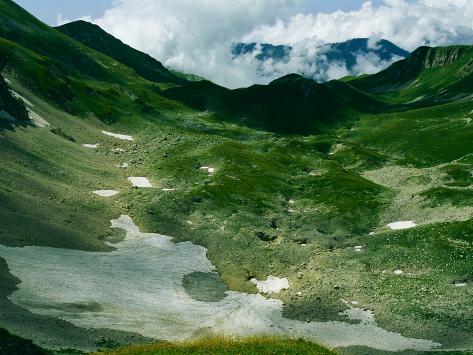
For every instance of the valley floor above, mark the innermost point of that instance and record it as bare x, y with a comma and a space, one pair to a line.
313, 210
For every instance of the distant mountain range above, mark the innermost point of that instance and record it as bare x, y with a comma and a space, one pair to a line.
356, 56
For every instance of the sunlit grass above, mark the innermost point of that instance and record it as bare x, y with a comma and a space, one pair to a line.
223, 345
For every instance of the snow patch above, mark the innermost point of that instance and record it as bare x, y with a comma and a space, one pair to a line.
119, 136
208, 169
37, 119
139, 181
122, 165
106, 193
18, 96
91, 146
358, 248
271, 285
398, 272
401, 225
139, 289
417, 99
364, 316
7, 80
460, 284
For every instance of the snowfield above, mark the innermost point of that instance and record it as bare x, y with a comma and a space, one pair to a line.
138, 288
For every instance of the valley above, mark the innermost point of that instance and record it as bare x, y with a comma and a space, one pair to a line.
350, 191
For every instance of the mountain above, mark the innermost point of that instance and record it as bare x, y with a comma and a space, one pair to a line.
297, 183
94, 37
351, 56
264, 51
291, 104
428, 76
71, 76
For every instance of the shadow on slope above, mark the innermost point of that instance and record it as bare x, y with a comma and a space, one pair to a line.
289, 105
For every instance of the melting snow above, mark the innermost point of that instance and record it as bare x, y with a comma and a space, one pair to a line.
401, 225
398, 272
139, 289
106, 193
119, 136
358, 314
271, 285
37, 119
18, 96
208, 169
139, 181
91, 146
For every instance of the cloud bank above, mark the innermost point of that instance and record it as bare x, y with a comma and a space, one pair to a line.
196, 35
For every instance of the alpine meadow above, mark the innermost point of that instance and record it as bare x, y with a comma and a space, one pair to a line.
148, 209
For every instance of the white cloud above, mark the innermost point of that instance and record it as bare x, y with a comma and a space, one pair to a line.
195, 35
406, 23
61, 20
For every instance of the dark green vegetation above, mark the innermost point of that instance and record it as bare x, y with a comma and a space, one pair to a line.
224, 346
13, 345
303, 173
289, 105
206, 287
8, 103
94, 37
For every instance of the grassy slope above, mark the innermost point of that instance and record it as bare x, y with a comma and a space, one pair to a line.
94, 37
13, 345
428, 77
311, 190
224, 346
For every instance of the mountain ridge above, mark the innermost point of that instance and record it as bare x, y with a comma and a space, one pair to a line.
346, 54
96, 38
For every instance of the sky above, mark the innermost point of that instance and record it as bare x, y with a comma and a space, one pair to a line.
49, 10
195, 36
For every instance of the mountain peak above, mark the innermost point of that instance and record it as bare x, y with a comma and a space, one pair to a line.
95, 37
349, 57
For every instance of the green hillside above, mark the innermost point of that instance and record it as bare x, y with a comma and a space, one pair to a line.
289, 105
285, 179
428, 77
94, 37
219, 346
